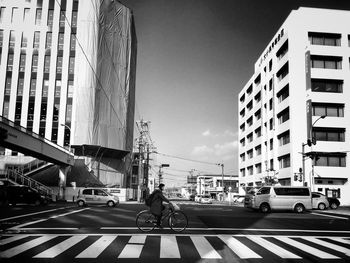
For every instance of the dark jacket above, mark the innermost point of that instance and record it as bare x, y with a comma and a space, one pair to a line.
157, 206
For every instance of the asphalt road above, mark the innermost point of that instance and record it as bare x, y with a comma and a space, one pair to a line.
216, 233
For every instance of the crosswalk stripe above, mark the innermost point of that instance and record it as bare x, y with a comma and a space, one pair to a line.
61, 247
131, 251
137, 239
204, 248
23, 247
238, 248
311, 250
97, 247
329, 245
341, 240
169, 247
11, 239
279, 251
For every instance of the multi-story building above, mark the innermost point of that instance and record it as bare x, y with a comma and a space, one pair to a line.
299, 94
67, 73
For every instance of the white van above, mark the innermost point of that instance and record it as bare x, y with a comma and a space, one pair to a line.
96, 196
269, 198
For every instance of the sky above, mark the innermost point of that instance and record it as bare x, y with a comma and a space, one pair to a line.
193, 58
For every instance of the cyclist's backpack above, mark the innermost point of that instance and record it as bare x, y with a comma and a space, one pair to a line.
149, 199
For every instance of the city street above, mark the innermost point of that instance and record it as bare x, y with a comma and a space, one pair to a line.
216, 233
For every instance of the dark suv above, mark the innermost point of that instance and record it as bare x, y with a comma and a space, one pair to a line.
19, 194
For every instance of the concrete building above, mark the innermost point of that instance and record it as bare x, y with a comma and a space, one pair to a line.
212, 185
299, 94
68, 74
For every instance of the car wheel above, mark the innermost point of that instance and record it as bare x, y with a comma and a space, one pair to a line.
264, 208
299, 208
321, 206
333, 206
110, 204
81, 203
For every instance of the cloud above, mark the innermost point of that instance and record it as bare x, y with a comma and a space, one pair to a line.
226, 133
206, 133
225, 149
202, 150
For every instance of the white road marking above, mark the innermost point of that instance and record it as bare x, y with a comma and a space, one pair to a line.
239, 248
27, 245
337, 217
279, 251
131, 251
342, 240
97, 247
61, 247
11, 239
137, 239
311, 250
32, 214
204, 248
329, 245
169, 247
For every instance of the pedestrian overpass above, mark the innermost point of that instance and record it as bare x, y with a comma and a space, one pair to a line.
18, 138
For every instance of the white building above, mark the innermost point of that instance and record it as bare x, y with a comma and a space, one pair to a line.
212, 184
302, 74
67, 73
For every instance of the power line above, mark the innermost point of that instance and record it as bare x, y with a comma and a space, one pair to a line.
185, 159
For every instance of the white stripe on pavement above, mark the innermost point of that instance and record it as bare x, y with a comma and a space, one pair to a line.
28, 245
97, 247
36, 213
318, 241
341, 240
204, 248
11, 239
137, 239
311, 250
131, 251
61, 247
281, 252
337, 217
239, 248
169, 247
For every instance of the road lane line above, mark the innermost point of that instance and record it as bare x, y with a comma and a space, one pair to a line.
318, 241
42, 220
61, 247
311, 250
97, 247
337, 217
28, 245
36, 213
11, 239
169, 247
238, 247
279, 251
204, 248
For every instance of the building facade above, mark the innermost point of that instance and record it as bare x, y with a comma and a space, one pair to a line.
212, 185
294, 112
68, 74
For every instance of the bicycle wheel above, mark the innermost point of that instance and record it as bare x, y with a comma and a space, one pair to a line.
178, 221
146, 221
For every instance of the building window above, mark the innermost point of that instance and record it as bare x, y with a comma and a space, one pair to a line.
258, 150
38, 15
250, 121
73, 41
284, 71
326, 62
329, 134
258, 114
242, 127
327, 85
250, 137
250, 170
242, 157
283, 93
71, 65
48, 40
250, 154
282, 51
60, 41
2, 14
70, 89
36, 42
250, 105
257, 97
242, 98
59, 65
47, 64
242, 141
62, 18
284, 161
8, 86
50, 18
1, 37
10, 62
335, 160
258, 168
250, 89
45, 88
283, 116
74, 18
271, 124
22, 63
349, 40
284, 138
270, 84
35, 63
258, 132
14, 16
328, 109
271, 144
20, 86
242, 113
32, 88
12, 39
242, 172
24, 42
270, 104
270, 65
26, 15
324, 39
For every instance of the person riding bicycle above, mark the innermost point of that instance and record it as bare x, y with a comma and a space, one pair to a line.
157, 206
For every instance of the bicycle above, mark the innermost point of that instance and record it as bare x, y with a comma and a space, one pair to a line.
177, 220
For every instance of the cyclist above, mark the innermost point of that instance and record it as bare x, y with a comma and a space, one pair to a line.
157, 206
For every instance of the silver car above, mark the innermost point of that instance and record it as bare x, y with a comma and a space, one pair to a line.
319, 201
96, 196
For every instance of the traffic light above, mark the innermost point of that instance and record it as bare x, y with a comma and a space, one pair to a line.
309, 142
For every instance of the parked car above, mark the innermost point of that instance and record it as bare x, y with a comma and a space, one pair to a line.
333, 202
206, 199
269, 198
96, 196
22, 194
319, 201
197, 198
191, 198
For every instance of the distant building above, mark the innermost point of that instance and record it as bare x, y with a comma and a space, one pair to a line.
212, 185
68, 74
299, 94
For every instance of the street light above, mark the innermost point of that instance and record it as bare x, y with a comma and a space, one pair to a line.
70, 132
222, 175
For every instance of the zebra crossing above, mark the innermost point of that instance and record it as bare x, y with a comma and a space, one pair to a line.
170, 246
